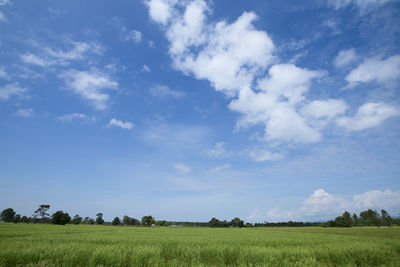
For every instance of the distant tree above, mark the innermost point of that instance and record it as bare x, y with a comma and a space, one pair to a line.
386, 219
249, 224
99, 219
17, 218
42, 212
7, 215
148, 220
91, 221
25, 219
59, 217
116, 221
77, 219
214, 222
348, 222
370, 218
355, 220
236, 222
86, 220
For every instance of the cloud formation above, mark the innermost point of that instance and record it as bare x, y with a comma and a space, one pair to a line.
240, 61
163, 91
90, 85
10, 90
118, 123
182, 168
24, 113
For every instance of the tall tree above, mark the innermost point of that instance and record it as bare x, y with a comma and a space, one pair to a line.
42, 212
99, 219
355, 220
7, 215
77, 219
386, 219
116, 221
237, 222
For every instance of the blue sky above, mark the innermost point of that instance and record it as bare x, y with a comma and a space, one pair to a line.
187, 110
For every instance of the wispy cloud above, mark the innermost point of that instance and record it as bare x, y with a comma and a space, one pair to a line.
146, 68
25, 113
163, 91
126, 34
182, 168
118, 123
74, 116
221, 167
10, 90
90, 85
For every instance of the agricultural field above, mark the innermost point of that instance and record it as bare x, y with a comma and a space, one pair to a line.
92, 245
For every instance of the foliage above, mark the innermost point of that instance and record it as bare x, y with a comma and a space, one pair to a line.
77, 219
7, 215
59, 217
148, 220
130, 221
42, 212
99, 218
116, 221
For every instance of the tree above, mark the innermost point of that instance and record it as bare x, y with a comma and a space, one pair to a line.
17, 218
7, 215
236, 222
369, 218
148, 220
116, 221
355, 220
99, 219
386, 219
214, 222
77, 219
348, 222
25, 219
59, 217
42, 212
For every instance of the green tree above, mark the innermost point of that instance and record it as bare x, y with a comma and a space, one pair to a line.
236, 222
347, 221
355, 220
25, 219
148, 220
116, 221
42, 212
214, 222
99, 219
370, 218
59, 217
7, 215
386, 219
77, 219
17, 218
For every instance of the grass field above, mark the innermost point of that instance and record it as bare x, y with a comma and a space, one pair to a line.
91, 245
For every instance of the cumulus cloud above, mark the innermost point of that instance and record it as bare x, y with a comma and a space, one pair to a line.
345, 57
375, 69
367, 116
323, 205
240, 61
134, 35
118, 123
3, 73
24, 113
182, 168
10, 90
164, 91
90, 85
263, 155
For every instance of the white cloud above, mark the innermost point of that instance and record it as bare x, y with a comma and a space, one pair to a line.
182, 168
376, 199
263, 155
221, 167
330, 108
321, 202
5, 2
72, 116
367, 116
11, 89
3, 73
121, 124
218, 151
160, 10
2, 17
345, 57
164, 91
133, 35
363, 5
146, 68
375, 69
48, 56
90, 85
25, 113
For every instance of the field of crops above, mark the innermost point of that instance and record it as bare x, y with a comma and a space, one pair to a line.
92, 245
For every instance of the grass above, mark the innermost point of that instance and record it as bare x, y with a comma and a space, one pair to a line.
92, 245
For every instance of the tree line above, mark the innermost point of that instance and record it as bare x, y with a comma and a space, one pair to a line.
365, 218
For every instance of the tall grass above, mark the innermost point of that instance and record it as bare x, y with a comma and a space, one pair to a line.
82, 245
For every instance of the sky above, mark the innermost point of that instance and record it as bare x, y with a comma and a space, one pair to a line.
193, 109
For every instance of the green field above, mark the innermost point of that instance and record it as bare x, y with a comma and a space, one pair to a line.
92, 245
